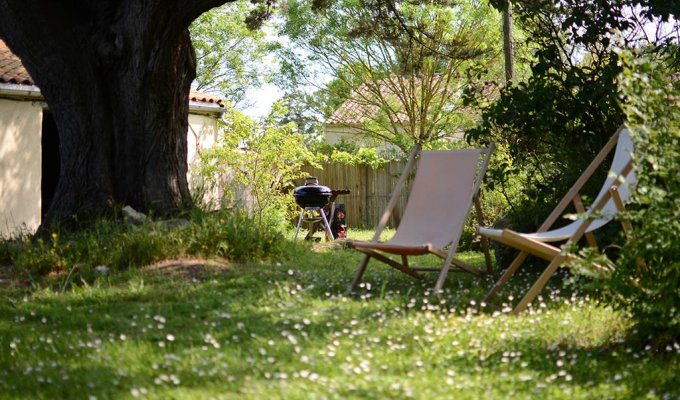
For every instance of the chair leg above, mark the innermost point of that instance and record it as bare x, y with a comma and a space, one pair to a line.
359, 274
538, 285
590, 238
506, 276
327, 226
625, 224
483, 240
439, 286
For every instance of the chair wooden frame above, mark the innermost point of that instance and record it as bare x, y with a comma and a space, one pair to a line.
375, 249
551, 253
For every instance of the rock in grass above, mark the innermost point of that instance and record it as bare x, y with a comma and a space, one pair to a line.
171, 224
132, 216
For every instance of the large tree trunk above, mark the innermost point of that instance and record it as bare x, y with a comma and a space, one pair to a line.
116, 76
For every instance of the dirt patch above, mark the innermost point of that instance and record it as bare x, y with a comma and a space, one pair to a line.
191, 269
10, 277
335, 244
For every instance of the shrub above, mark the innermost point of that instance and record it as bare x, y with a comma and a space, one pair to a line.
231, 235
646, 281
108, 243
42, 257
555, 122
235, 236
255, 163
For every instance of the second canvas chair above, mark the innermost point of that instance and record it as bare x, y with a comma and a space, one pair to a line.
444, 188
610, 200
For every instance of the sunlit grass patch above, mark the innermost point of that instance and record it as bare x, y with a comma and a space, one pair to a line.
288, 330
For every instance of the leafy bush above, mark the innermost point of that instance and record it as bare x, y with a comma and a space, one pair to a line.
646, 282
108, 243
255, 163
117, 246
350, 153
43, 257
554, 123
236, 237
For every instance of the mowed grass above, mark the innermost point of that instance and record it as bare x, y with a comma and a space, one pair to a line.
289, 331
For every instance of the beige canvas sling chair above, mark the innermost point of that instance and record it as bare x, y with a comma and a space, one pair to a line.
444, 188
610, 200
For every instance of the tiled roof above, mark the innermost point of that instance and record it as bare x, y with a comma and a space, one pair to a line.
355, 110
362, 105
13, 71
11, 68
195, 95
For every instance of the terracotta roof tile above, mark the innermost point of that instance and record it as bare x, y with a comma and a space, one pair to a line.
11, 68
362, 105
13, 71
196, 95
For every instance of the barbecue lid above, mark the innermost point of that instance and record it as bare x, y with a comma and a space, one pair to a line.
311, 188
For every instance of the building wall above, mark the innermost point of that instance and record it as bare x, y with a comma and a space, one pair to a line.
201, 135
337, 133
20, 166
21, 161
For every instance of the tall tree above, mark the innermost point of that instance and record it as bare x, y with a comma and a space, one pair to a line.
229, 55
508, 43
405, 63
553, 123
116, 76
505, 6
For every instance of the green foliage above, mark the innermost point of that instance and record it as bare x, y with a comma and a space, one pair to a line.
260, 159
74, 256
229, 56
648, 274
404, 66
107, 243
43, 257
290, 331
348, 153
235, 237
554, 123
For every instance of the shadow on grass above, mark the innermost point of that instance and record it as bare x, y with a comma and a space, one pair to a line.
237, 332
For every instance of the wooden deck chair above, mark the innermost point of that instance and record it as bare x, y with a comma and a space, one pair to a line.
615, 191
445, 186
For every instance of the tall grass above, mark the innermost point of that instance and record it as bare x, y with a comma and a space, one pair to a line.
114, 246
286, 330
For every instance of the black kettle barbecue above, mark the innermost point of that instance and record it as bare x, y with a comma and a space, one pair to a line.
311, 194
312, 197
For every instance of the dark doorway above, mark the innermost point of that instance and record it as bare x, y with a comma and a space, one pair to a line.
50, 161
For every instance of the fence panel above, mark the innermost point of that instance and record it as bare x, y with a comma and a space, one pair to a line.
370, 189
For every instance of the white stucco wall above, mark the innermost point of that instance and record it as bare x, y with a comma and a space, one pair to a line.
21, 161
337, 133
201, 135
20, 166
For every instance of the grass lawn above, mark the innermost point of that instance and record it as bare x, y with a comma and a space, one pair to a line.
194, 330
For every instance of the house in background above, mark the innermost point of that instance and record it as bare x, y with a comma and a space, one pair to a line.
348, 122
29, 144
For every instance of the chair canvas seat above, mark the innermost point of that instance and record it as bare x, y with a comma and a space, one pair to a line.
440, 200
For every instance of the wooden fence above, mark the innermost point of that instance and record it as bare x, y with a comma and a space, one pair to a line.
370, 190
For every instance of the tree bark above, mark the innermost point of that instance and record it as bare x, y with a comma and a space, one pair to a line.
508, 44
116, 76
